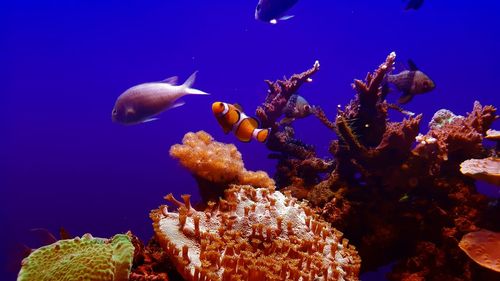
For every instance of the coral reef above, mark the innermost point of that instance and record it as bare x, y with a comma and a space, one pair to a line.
150, 263
215, 165
483, 247
85, 258
487, 169
396, 193
254, 234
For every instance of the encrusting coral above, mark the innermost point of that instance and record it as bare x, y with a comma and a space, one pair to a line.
254, 234
483, 247
85, 258
215, 165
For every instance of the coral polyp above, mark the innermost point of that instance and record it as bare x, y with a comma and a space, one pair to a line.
254, 234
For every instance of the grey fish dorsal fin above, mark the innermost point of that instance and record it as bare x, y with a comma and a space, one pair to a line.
171, 80
412, 66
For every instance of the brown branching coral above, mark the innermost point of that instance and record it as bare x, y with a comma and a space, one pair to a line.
215, 165
278, 95
394, 199
254, 234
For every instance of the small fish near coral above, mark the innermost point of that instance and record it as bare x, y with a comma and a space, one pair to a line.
272, 11
232, 118
410, 82
141, 103
414, 4
297, 107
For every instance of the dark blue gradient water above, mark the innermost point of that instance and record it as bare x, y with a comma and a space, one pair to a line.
63, 63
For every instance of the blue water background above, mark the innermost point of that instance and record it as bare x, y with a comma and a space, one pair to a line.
63, 63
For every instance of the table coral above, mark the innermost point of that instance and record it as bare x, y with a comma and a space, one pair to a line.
487, 169
215, 165
254, 234
483, 247
85, 258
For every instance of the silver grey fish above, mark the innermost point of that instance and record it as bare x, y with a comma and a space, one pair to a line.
142, 102
411, 82
273, 10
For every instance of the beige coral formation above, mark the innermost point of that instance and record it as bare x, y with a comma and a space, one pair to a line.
254, 234
487, 169
85, 258
215, 165
483, 247
492, 135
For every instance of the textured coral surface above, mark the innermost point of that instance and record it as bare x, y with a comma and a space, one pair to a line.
487, 169
85, 258
254, 234
215, 165
483, 247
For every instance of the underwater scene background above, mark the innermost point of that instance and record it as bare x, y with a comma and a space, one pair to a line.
64, 163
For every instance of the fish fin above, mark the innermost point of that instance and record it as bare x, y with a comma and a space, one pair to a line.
149, 120
64, 234
286, 17
262, 134
286, 121
45, 235
189, 82
238, 106
412, 65
171, 80
405, 98
177, 104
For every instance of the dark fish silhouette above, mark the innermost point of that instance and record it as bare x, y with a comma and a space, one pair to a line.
410, 82
414, 4
273, 10
142, 102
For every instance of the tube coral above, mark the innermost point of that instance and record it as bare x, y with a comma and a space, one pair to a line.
254, 234
85, 258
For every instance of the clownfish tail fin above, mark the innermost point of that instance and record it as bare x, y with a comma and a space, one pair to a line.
261, 135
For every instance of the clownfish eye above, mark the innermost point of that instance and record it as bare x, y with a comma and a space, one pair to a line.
114, 111
307, 107
258, 7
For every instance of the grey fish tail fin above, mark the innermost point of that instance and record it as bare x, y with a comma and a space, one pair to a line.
189, 83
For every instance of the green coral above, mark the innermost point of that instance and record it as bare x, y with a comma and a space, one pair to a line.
85, 258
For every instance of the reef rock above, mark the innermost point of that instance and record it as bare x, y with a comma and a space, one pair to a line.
254, 234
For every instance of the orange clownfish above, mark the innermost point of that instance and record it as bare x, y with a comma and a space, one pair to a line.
232, 118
